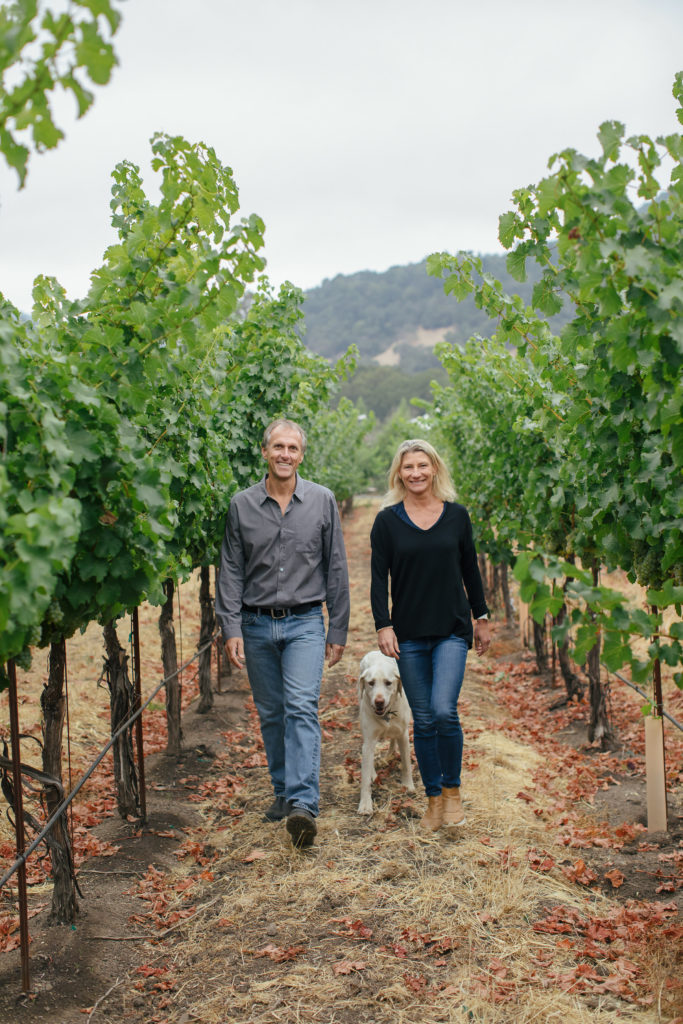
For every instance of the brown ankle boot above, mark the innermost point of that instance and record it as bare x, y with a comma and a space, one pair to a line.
453, 813
433, 816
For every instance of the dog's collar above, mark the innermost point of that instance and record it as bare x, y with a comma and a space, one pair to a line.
386, 715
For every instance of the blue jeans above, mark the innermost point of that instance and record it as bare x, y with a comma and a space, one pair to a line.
285, 659
432, 671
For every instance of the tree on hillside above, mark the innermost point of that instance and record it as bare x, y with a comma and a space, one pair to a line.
383, 388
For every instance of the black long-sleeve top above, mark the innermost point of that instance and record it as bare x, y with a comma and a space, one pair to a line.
436, 586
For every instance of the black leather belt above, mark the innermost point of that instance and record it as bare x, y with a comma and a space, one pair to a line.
282, 613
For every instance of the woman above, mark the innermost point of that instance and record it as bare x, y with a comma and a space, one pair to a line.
422, 539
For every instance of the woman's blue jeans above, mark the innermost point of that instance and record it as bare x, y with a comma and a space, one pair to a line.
432, 671
285, 659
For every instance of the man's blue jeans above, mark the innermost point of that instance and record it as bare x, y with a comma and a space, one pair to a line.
432, 671
285, 659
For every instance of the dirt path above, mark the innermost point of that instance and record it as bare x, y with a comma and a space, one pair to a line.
207, 914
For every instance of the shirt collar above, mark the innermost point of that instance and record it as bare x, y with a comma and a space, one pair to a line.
298, 490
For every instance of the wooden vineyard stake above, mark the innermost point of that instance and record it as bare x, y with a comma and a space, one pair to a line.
654, 758
655, 777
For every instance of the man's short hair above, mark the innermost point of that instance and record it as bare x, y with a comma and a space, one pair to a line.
290, 425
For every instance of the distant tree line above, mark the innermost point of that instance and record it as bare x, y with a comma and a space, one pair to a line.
382, 389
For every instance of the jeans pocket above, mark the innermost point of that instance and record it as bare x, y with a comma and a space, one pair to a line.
249, 618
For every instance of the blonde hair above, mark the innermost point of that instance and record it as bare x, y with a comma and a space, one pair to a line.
442, 485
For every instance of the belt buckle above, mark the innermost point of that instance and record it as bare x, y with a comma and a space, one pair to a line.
278, 613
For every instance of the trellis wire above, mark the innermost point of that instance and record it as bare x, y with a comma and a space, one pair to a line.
643, 694
67, 800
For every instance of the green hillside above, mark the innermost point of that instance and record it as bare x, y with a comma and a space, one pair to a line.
378, 310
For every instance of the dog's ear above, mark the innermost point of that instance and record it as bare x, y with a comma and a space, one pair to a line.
399, 684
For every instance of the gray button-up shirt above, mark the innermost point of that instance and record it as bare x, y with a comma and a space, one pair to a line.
277, 561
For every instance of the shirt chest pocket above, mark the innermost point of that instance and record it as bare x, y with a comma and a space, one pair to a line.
307, 542
308, 547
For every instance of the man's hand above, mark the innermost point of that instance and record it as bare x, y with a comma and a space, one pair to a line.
387, 642
235, 649
333, 653
482, 636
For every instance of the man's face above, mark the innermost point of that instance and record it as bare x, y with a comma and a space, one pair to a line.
283, 453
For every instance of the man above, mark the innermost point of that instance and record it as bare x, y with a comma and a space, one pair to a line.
283, 555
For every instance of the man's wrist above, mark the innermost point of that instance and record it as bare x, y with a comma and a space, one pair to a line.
337, 637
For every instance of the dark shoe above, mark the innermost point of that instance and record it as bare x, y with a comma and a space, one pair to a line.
301, 827
278, 810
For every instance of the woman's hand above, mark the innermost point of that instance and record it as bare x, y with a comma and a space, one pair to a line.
387, 642
482, 636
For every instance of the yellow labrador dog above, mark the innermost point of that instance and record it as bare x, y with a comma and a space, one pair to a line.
384, 714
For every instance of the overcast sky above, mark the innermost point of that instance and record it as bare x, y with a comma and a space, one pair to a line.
366, 133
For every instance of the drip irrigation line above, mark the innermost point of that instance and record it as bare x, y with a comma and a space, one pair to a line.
67, 801
643, 694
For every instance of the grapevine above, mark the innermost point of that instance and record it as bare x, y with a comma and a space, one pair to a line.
569, 445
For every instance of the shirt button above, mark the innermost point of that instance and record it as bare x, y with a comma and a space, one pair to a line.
281, 569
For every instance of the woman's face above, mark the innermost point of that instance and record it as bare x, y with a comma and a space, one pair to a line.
417, 473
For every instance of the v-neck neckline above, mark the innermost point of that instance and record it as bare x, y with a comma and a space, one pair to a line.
403, 514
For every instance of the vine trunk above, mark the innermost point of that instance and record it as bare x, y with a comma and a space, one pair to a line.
571, 681
505, 591
53, 703
169, 661
540, 647
599, 726
121, 705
